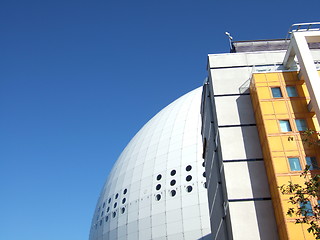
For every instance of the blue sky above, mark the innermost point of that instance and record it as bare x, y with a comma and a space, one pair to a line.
79, 78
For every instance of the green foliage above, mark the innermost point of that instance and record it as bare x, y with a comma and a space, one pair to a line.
305, 198
311, 137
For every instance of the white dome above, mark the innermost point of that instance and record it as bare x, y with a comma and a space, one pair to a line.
156, 189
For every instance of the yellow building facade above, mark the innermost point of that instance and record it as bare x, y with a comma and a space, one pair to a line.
280, 102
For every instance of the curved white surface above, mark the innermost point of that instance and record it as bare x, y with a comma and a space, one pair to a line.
136, 203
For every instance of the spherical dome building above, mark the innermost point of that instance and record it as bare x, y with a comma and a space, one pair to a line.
157, 188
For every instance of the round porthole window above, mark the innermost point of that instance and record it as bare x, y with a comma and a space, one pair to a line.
173, 182
158, 186
125, 191
173, 172
123, 210
173, 193
189, 188
158, 197
107, 218
114, 214
117, 195
188, 178
188, 168
115, 205
124, 200
204, 174
159, 177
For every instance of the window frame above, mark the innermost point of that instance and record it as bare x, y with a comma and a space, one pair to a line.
276, 87
305, 122
312, 160
290, 125
292, 164
295, 88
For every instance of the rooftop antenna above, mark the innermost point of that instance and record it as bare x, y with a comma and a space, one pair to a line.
230, 40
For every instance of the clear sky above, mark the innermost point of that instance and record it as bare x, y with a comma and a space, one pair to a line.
79, 78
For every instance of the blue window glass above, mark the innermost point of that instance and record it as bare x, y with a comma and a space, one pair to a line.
276, 92
312, 162
294, 164
301, 124
285, 126
306, 209
292, 91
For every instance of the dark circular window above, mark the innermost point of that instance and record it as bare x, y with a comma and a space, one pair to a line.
189, 188
114, 214
117, 195
108, 209
104, 204
204, 174
205, 185
109, 201
123, 210
173, 182
173, 172
188, 168
158, 186
173, 193
102, 213
124, 200
107, 218
159, 177
158, 197
203, 164
125, 191
115, 205
188, 178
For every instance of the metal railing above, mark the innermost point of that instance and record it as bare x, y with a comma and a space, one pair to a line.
303, 27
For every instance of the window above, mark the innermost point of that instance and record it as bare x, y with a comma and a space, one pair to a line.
306, 208
301, 124
158, 197
189, 188
292, 91
312, 162
173, 193
285, 126
188, 168
276, 92
188, 178
294, 164
123, 210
